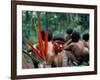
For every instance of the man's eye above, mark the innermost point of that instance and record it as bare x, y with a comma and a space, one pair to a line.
56, 43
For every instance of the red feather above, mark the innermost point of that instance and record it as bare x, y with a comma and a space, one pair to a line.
40, 41
33, 49
46, 42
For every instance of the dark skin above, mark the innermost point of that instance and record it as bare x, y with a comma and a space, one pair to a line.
58, 47
78, 49
68, 34
50, 53
85, 40
60, 54
71, 58
86, 44
53, 56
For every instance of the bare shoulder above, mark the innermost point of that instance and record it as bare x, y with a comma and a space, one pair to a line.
50, 49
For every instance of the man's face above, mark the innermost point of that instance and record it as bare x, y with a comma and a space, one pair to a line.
58, 45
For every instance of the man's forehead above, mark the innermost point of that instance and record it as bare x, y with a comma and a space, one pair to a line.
59, 41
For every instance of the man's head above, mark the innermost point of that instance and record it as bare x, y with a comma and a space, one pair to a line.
85, 37
69, 31
75, 36
58, 43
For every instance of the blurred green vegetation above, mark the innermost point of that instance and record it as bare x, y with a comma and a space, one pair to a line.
53, 21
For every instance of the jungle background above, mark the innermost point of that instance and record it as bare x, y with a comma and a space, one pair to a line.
53, 21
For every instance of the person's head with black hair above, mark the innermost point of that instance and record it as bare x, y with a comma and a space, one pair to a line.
68, 34
59, 37
75, 36
49, 35
69, 31
85, 36
58, 43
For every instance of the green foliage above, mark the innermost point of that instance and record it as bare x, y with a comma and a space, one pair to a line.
56, 22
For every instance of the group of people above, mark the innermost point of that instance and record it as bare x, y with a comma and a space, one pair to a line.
65, 50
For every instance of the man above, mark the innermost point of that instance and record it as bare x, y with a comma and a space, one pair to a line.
39, 51
57, 55
58, 45
85, 42
68, 34
45, 63
85, 38
77, 48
